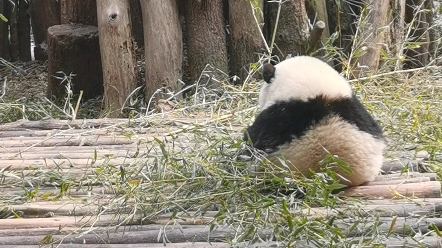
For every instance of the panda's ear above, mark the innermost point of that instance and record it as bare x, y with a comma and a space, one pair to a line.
268, 72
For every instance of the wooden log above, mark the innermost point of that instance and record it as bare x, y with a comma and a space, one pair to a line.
381, 208
399, 165
44, 13
74, 49
136, 21
244, 38
398, 31
42, 209
4, 32
292, 30
320, 13
65, 149
164, 47
402, 226
418, 56
49, 124
22, 165
83, 194
60, 141
157, 233
24, 30
117, 49
431, 189
13, 29
206, 40
399, 181
378, 208
79, 11
142, 245
315, 36
148, 234
73, 154
373, 36
103, 220
407, 175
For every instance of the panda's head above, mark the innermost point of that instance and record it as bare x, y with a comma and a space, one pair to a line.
301, 78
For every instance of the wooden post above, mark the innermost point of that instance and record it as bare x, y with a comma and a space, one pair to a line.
206, 36
4, 33
44, 13
73, 48
244, 37
164, 46
397, 31
13, 30
117, 53
415, 13
320, 8
292, 31
136, 19
374, 37
79, 11
24, 30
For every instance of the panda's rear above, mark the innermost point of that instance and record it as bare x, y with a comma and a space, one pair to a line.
307, 110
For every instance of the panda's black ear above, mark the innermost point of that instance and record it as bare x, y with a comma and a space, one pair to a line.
268, 72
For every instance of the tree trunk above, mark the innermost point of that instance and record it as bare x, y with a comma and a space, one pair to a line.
79, 11
397, 30
373, 37
4, 32
429, 15
318, 12
136, 18
13, 29
74, 48
341, 22
292, 31
163, 46
117, 53
206, 36
245, 41
24, 30
419, 47
44, 13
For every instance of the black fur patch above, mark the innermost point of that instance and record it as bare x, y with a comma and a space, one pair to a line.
268, 72
283, 121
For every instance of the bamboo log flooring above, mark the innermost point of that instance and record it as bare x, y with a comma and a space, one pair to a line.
72, 147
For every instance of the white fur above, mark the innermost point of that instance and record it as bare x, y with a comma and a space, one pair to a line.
361, 151
303, 77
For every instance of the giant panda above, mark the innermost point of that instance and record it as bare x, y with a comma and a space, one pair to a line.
307, 110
